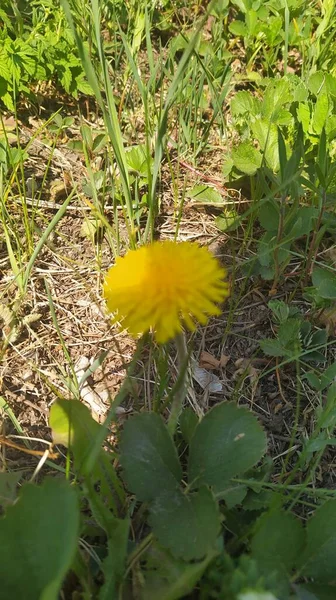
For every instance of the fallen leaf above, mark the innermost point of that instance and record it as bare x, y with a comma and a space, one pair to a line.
208, 361
224, 359
9, 123
208, 381
328, 318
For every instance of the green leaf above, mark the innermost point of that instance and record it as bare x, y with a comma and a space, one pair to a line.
276, 95
279, 309
325, 282
169, 578
320, 112
301, 223
272, 347
278, 542
246, 158
328, 375
267, 135
188, 525
269, 215
113, 564
228, 220
313, 380
99, 142
148, 457
136, 159
311, 591
289, 333
38, 540
303, 115
319, 557
8, 485
234, 494
205, 194
243, 102
227, 442
238, 28
188, 422
73, 427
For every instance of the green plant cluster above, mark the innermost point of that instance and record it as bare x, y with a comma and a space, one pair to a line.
202, 513
210, 515
36, 46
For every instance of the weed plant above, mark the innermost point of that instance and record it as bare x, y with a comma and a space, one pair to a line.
181, 114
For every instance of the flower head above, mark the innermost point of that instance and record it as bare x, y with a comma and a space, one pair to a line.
164, 286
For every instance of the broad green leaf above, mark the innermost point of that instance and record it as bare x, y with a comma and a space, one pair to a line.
320, 112
279, 309
228, 220
234, 494
325, 282
136, 159
330, 127
312, 591
38, 540
283, 117
227, 442
251, 21
328, 376
205, 194
278, 542
186, 524
148, 457
169, 578
238, 28
289, 333
319, 557
276, 95
302, 222
327, 289
188, 422
73, 426
317, 82
313, 380
267, 273
99, 142
266, 248
267, 135
299, 89
321, 81
246, 158
269, 215
243, 102
272, 347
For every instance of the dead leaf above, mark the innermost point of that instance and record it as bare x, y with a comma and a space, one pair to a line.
208, 361
224, 359
208, 381
9, 123
328, 318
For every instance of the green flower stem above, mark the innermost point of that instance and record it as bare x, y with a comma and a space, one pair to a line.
181, 392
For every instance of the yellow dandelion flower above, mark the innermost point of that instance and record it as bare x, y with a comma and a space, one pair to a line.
164, 286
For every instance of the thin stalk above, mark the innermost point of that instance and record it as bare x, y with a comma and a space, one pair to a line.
280, 235
315, 239
181, 393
